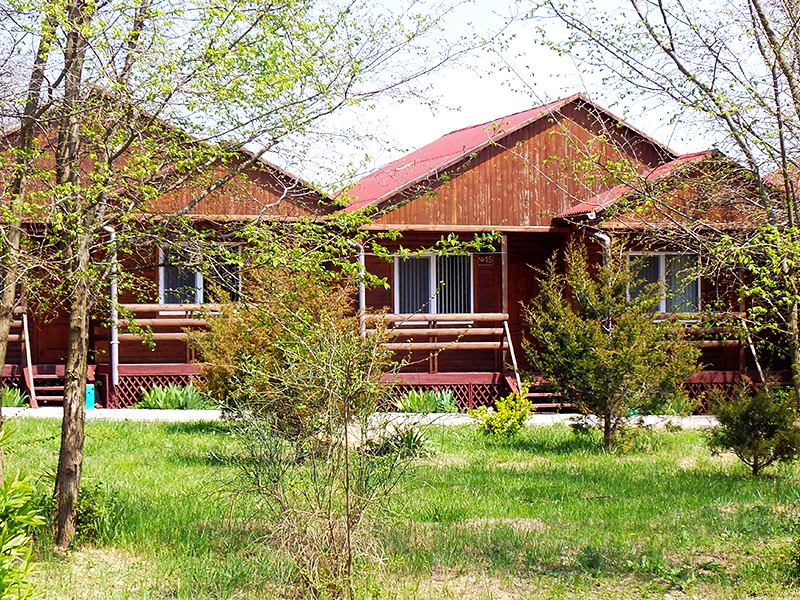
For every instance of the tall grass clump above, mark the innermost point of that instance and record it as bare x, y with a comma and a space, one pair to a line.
13, 397
427, 401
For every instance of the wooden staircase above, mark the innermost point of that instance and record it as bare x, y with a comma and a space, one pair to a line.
47, 383
18, 351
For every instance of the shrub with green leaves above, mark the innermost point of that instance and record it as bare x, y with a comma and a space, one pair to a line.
18, 518
428, 401
508, 417
13, 397
173, 397
758, 426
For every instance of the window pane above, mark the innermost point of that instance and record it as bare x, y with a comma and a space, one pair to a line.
414, 285
224, 276
179, 285
649, 273
454, 293
681, 283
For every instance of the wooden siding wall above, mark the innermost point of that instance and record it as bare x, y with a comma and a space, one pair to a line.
534, 174
259, 191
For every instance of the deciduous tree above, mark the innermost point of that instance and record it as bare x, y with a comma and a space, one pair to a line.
726, 70
119, 104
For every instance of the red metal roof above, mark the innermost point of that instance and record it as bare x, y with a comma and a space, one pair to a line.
431, 160
608, 198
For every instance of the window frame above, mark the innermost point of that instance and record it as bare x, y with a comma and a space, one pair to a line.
662, 276
433, 281
199, 283
162, 266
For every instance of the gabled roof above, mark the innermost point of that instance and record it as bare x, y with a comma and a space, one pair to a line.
430, 161
607, 199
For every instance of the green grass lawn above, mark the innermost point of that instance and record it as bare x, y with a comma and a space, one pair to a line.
548, 516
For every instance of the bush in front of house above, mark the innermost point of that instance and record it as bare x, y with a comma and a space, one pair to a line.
758, 426
173, 397
597, 343
507, 418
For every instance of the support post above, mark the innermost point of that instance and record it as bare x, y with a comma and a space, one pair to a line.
503, 290
113, 314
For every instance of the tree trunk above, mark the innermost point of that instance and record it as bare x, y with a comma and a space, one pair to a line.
608, 432
70, 459
8, 300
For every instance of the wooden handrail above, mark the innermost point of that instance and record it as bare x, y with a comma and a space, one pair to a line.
427, 331
698, 316
198, 308
455, 345
435, 318
165, 322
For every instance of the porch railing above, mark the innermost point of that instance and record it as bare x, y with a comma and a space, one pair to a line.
436, 333
148, 321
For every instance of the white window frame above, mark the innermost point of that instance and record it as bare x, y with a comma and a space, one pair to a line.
662, 275
199, 284
433, 281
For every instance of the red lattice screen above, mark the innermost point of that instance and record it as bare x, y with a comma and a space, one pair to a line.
129, 390
468, 395
700, 390
13, 381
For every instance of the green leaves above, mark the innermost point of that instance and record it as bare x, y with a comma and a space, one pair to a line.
18, 518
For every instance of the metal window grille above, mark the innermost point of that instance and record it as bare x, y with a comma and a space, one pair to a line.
414, 285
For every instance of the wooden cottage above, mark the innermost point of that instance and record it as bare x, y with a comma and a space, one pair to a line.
531, 181
536, 179
168, 295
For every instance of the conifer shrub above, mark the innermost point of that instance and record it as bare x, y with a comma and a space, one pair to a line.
758, 425
596, 341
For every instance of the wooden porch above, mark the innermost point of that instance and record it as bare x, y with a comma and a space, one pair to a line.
473, 354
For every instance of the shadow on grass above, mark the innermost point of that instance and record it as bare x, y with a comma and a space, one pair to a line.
200, 427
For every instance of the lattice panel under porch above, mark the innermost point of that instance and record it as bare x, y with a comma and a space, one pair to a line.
129, 390
702, 390
14, 381
468, 395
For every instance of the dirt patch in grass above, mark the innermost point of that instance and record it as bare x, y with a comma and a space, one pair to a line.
453, 584
102, 573
522, 466
517, 524
446, 461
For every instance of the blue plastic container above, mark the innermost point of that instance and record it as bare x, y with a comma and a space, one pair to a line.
89, 396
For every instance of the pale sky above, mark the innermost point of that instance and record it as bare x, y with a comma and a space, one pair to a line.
484, 86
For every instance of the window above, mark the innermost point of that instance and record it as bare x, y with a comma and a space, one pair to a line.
676, 273
433, 284
180, 284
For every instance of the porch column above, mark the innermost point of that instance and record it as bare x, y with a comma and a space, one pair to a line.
504, 293
504, 272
